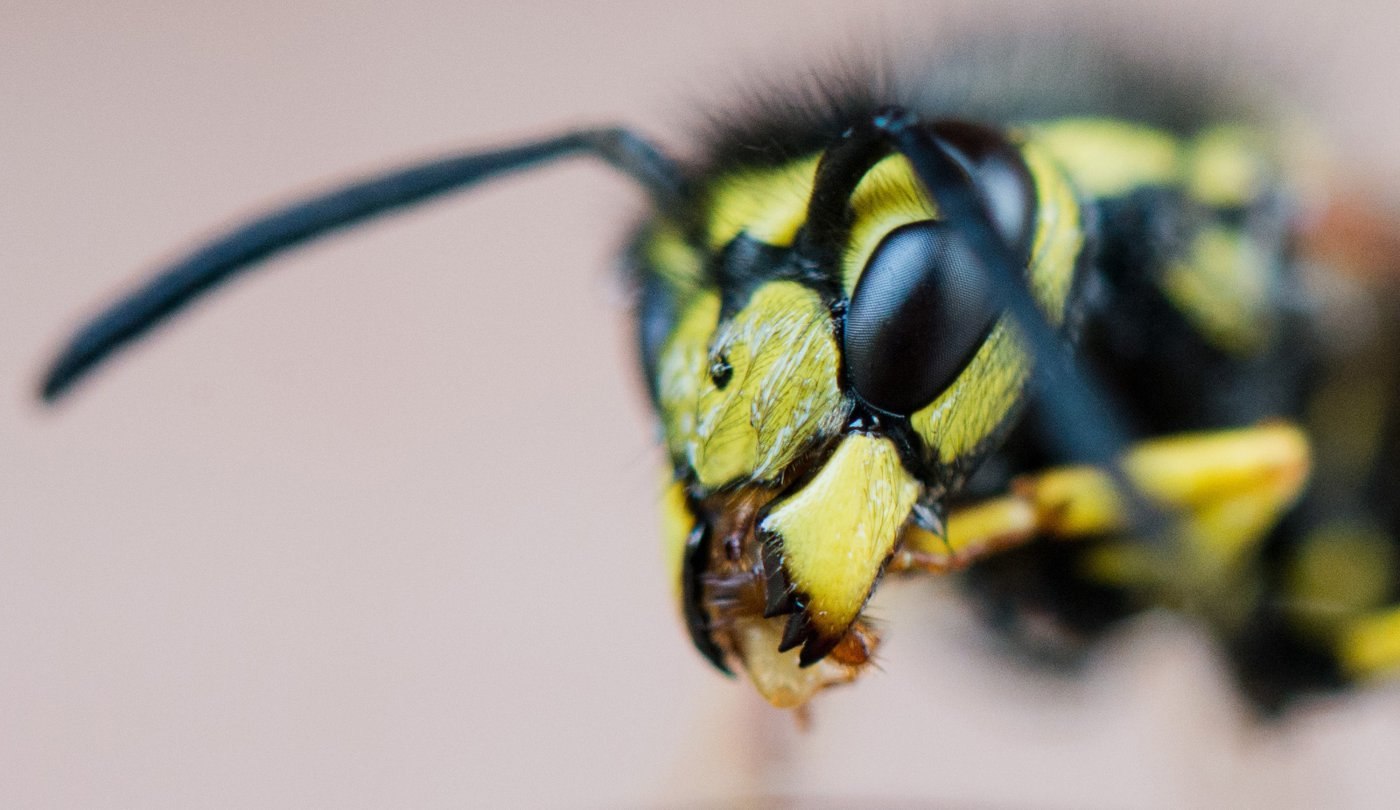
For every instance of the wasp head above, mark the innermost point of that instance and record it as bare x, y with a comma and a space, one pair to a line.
828, 364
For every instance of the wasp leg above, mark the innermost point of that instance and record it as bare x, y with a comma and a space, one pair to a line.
1335, 595
1341, 588
1369, 646
971, 532
1224, 490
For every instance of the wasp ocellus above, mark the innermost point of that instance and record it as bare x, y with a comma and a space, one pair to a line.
1072, 333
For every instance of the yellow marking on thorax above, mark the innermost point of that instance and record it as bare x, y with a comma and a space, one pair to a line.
767, 204
1227, 166
1107, 158
1221, 285
1222, 166
1223, 282
838, 529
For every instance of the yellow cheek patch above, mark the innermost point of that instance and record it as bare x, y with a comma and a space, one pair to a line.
767, 204
978, 401
677, 522
681, 372
780, 395
837, 531
970, 409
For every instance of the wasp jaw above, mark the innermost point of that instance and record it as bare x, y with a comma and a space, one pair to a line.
781, 677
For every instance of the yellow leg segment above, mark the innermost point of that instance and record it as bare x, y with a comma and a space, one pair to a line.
1370, 646
1227, 488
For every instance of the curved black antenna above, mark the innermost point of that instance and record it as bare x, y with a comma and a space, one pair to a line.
1078, 419
249, 243
1085, 425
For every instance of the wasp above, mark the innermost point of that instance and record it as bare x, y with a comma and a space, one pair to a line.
1067, 339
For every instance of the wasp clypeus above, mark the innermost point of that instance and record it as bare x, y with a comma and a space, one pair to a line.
1066, 338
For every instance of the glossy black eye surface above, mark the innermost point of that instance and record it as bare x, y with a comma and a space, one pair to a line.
918, 314
1000, 174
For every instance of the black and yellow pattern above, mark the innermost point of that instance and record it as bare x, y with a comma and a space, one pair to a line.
1166, 251
851, 320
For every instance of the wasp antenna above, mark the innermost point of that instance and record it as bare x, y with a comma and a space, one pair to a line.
215, 262
1079, 419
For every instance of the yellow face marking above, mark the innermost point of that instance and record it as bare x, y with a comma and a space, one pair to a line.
838, 529
1107, 158
677, 523
767, 204
978, 401
671, 258
681, 371
781, 394
889, 196
1222, 287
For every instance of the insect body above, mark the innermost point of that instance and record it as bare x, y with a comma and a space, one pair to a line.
853, 324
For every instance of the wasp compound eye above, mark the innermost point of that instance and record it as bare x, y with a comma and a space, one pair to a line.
1001, 178
918, 314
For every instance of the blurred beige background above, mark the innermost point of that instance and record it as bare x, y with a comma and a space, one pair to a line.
376, 528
